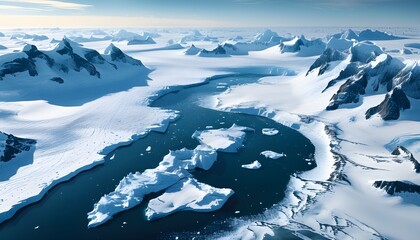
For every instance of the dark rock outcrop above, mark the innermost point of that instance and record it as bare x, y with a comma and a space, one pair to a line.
393, 187
58, 80
400, 150
78, 62
118, 56
389, 109
323, 62
33, 53
18, 65
349, 92
13, 146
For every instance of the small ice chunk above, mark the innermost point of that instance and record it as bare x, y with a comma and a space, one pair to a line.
272, 155
187, 195
223, 139
254, 165
36, 227
270, 131
149, 148
112, 157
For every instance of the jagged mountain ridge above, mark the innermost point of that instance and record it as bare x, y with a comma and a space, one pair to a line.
370, 71
67, 56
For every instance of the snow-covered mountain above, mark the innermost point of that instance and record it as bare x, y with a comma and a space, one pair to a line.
370, 71
192, 50
32, 37
303, 47
366, 34
133, 38
219, 51
195, 36
148, 40
67, 57
268, 37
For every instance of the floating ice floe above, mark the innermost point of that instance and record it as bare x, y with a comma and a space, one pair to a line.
253, 165
224, 139
270, 131
187, 195
272, 155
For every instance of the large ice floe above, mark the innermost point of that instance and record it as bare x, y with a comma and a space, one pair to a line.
182, 192
225, 139
187, 195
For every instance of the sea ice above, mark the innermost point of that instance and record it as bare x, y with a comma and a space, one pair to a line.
253, 165
132, 188
272, 155
224, 139
187, 195
270, 131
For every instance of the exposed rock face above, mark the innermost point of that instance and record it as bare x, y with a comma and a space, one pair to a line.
370, 71
323, 62
349, 92
11, 146
58, 80
389, 109
18, 65
118, 56
33, 53
409, 78
402, 151
78, 62
392, 187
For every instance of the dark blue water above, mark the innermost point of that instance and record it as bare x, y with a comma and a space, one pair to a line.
61, 214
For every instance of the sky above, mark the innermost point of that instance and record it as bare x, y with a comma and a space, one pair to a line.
209, 13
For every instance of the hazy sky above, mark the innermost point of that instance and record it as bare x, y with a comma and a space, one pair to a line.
214, 13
